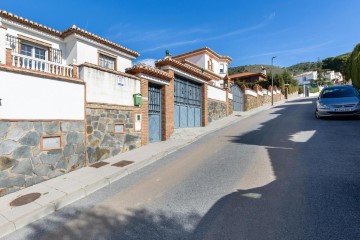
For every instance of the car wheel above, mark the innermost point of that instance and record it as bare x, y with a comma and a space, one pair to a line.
317, 114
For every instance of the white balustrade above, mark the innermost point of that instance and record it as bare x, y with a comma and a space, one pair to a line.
36, 64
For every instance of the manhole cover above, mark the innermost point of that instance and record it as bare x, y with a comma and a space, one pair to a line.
99, 164
122, 163
25, 199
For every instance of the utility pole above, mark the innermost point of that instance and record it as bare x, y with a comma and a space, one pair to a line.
272, 81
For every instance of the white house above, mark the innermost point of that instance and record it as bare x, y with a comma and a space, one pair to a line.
305, 78
208, 60
66, 101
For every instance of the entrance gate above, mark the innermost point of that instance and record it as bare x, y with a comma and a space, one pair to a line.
187, 103
154, 113
238, 98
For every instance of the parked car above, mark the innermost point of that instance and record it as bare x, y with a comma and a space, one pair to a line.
338, 101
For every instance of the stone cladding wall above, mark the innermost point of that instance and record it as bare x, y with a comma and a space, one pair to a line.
217, 110
230, 106
22, 161
102, 141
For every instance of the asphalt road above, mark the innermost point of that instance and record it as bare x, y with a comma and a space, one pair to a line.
279, 174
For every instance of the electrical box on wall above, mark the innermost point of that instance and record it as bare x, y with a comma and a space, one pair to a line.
137, 122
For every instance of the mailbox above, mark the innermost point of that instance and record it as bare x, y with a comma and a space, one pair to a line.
137, 99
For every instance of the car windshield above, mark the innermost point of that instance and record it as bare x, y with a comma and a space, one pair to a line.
338, 93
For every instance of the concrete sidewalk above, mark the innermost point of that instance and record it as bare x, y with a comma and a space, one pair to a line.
63, 190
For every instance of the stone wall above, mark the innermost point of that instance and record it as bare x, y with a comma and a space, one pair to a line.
266, 99
230, 106
23, 163
102, 141
217, 110
251, 102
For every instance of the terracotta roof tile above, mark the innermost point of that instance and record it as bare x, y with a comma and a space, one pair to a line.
200, 50
67, 32
195, 71
145, 69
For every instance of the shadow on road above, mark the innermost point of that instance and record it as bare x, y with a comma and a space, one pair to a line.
105, 223
316, 191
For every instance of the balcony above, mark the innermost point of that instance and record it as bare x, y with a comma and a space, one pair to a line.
35, 57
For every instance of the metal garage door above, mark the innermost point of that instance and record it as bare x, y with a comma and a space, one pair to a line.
154, 113
187, 103
238, 98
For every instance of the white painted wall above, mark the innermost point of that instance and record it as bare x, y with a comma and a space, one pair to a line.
198, 60
86, 53
71, 51
202, 61
305, 78
28, 97
230, 96
123, 63
216, 93
102, 87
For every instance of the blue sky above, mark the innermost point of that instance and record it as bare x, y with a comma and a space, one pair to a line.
250, 32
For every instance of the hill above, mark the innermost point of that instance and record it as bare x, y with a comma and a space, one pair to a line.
255, 68
333, 63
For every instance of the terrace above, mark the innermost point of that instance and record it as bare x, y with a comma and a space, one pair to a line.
37, 57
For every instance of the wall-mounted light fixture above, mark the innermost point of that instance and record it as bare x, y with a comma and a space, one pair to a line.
0, 101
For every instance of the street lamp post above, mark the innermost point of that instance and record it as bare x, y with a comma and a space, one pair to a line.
272, 81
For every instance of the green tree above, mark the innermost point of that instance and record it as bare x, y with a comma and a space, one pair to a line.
337, 63
353, 67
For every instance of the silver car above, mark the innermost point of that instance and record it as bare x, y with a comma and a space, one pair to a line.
338, 101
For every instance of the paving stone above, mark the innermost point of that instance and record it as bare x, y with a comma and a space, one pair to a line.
26, 125
38, 127
23, 152
108, 141
7, 147
42, 169
15, 133
6, 163
31, 139
23, 167
75, 137
51, 127
4, 128
51, 159
69, 150
11, 181
79, 148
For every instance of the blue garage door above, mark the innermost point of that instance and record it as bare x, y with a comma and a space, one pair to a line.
154, 113
187, 103
238, 98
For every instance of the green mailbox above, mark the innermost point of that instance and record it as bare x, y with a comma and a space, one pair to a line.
137, 99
